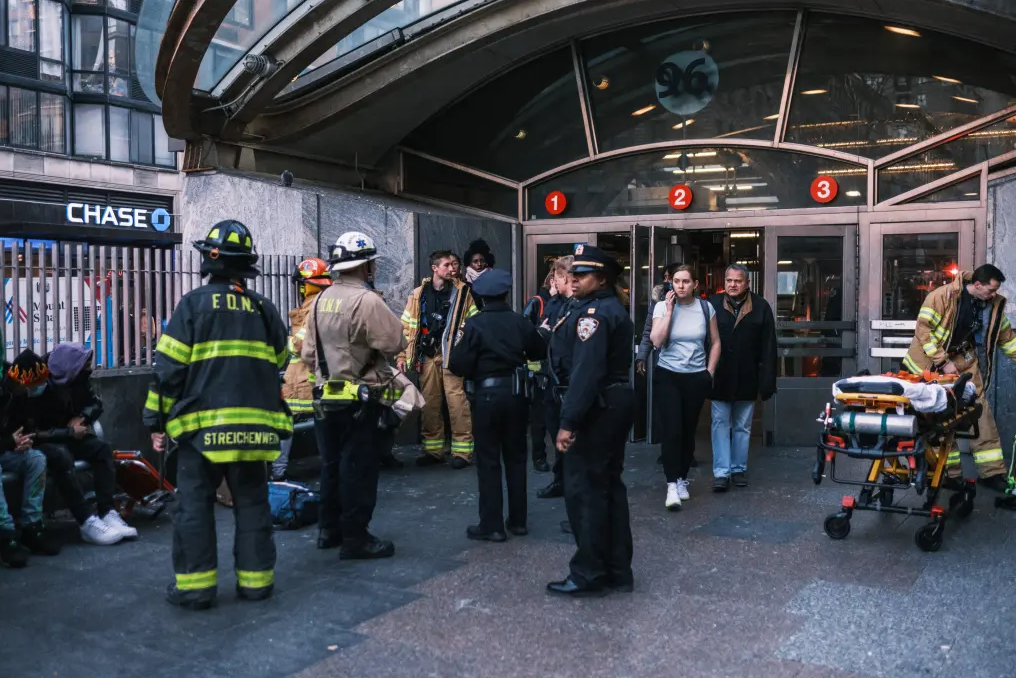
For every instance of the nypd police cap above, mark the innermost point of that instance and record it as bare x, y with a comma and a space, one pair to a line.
493, 283
591, 259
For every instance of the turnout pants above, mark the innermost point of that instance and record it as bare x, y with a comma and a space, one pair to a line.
987, 448
436, 383
595, 495
195, 554
499, 428
349, 442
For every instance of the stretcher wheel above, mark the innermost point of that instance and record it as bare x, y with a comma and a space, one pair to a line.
819, 469
961, 505
837, 526
929, 538
886, 497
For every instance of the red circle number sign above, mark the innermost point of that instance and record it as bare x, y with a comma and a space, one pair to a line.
824, 189
556, 202
680, 197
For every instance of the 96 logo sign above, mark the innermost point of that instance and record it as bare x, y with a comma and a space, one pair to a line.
686, 81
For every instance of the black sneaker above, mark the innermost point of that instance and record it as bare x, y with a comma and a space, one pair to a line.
541, 466
368, 548
739, 479
721, 484
12, 554
458, 463
34, 538
429, 460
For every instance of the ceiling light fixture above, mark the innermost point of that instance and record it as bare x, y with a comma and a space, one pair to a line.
772, 117
521, 134
784, 263
899, 30
602, 84
644, 110
971, 195
951, 81
815, 91
853, 194
967, 99
908, 105
686, 123
743, 234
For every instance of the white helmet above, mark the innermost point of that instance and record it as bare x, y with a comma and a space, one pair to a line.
352, 249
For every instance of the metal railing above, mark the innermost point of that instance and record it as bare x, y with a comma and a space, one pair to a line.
114, 300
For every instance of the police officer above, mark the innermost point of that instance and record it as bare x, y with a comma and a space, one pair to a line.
217, 395
490, 352
351, 335
558, 308
596, 415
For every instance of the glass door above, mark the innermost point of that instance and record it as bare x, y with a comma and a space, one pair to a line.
810, 283
906, 262
543, 250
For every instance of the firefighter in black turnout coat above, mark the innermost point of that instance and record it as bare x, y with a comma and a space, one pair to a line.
491, 352
216, 393
596, 415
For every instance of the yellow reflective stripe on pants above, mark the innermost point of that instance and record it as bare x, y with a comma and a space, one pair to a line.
462, 447
229, 456
911, 366
195, 581
953, 459
931, 348
987, 456
300, 405
432, 445
177, 350
255, 580
228, 416
152, 402
234, 348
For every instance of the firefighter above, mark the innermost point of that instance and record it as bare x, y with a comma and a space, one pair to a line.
216, 393
959, 328
351, 335
297, 388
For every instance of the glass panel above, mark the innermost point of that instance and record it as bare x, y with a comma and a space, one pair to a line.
866, 88
5, 121
119, 4
88, 46
809, 288
119, 134
53, 122
24, 118
433, 180
691, 78
969, 189
518, 125
913, 264
547, 254
51, 31
618, 245
720, 179
118, 56
942, 160
151, 27
90, 130
163, 156
51, 71
21, 24
142, 140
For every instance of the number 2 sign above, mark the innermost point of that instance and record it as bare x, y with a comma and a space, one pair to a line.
556, 202
824, 189
680, 197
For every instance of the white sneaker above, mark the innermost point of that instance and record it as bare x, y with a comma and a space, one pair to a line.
113, 520
682, 489
673, 497
95, 531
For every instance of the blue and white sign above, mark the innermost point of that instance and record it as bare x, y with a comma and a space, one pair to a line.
118, 217
160, 220
685, 82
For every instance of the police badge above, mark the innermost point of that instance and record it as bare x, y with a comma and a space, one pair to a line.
587, 327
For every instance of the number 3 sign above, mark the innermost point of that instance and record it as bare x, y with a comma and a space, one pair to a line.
824, 189
680, 197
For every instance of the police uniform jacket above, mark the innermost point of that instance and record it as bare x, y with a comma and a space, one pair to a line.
601, 335
358, 334
217, 375
494, 343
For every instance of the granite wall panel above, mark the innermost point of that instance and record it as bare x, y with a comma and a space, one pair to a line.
1002, 253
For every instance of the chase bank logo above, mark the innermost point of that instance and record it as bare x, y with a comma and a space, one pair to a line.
160, 219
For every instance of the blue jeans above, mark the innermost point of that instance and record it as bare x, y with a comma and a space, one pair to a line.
31, 466
731, 434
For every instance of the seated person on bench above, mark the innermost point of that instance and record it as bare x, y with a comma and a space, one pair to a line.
45, 411
18, 458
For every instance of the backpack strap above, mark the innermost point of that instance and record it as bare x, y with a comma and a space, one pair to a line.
705, 306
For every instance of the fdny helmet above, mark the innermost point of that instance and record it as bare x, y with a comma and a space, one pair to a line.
313, 271
228, 238
352, 249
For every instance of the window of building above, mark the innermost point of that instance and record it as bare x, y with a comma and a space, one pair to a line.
867, 88
24, 117
433, 180
705, 78
520, 124
51, 41
133, 136
118, 57
714, 180
88, 39
21, 24
142, 138
119, 134
53, 122
90, 130
163, 156
968, 189
242, 14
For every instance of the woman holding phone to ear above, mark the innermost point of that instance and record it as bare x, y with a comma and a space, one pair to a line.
688, 340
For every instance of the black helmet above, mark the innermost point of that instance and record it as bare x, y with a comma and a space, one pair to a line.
228, 249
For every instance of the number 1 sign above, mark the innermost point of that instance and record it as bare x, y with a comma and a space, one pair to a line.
556, 202
680, 197
824, 189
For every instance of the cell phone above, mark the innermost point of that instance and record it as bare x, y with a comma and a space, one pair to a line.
668, 287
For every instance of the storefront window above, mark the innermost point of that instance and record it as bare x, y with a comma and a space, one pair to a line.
88, 45
719, 179
869, 88
24, 118
119, 134
943, 160
691, 78
21, 24
90, 130
51, 40
118, 56
520, 124
53, 122
969, 189
433, 180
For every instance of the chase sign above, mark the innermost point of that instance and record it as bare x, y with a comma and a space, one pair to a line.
118, 217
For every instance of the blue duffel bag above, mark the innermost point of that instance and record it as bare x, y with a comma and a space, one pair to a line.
294, 505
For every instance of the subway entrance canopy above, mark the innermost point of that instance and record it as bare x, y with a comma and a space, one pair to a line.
490, 99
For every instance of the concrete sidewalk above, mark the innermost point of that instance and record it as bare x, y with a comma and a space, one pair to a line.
737, 584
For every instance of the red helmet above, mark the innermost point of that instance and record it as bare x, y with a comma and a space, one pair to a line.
313, 271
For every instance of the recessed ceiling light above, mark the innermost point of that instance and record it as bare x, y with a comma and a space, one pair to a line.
953, 81
521, 134
602, 83
644, 110
854, 194
967, 99
771, 117
908, 105
815, 91
973, 195
899, 30
686, 123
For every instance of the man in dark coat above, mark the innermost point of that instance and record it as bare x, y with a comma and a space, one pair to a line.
747, 371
